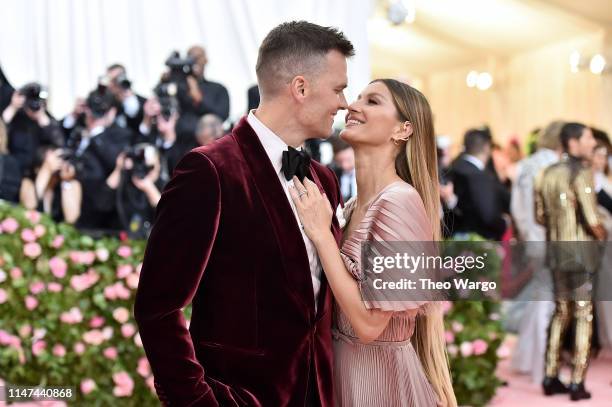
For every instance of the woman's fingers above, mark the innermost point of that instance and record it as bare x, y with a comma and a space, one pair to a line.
312, 188
294, 195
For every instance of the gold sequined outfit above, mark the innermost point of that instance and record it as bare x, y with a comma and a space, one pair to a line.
565, 204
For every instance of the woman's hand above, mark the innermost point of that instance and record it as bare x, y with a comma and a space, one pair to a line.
314, 210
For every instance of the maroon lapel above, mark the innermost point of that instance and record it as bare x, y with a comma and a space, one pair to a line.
287, 232
323, 305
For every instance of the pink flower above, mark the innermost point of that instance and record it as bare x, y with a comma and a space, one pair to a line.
25, 330
127, 330
83, 281
87, 386
124, 385
88, 257
58, 241
96, 322
79, 348
457, 326
38, 347
503, 352
124, 270
110, 353
121, 314
10, 225
78, 257
102, 254
59, 350
137, 340
452, 350
449, 336
2, 276
32, 250
39, 230
93, 337
117, 290
73, 316
37, 287
58, 267
54, 287
466, 349
446, 306
4, 337
27, 235
107, 332
132, 281
16, 273
3, 296
31, 302
480, 347
33, 216
144, 369
124, 251
151, 384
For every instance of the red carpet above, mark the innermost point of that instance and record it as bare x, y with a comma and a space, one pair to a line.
522, 392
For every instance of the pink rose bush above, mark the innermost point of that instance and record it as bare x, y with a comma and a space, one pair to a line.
66, 304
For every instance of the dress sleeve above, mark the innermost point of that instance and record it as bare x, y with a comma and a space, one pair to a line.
397, 221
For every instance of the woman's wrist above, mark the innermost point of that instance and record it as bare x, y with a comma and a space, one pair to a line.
323, 238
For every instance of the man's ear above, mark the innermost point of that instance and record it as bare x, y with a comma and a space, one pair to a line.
298, 87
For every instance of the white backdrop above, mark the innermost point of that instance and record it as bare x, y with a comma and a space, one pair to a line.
66, 44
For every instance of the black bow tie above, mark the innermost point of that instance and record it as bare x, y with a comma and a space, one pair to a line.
295, 162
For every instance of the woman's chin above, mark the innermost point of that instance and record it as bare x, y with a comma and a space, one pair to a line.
347, 134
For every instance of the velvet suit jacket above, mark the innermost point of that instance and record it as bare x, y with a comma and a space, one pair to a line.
225, 238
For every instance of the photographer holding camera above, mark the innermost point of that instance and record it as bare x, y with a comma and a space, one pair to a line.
196, 95
30, 127
129, 105
6, 90
10, 173
161, 115
135, 187
91, 154
60, 194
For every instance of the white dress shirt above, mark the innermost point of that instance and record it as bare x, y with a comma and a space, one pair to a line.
274, 147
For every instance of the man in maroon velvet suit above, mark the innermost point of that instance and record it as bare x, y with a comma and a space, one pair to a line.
228, 240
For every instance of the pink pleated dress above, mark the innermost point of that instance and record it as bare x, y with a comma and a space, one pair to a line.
386, 372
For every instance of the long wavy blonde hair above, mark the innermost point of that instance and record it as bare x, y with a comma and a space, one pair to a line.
417, 164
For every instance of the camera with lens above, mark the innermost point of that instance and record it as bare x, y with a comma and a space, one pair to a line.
35, 96
69, 151
166, 93
179, 67
142, 157
122, 81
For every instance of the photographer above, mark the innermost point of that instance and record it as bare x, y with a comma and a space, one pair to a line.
92, 153
161, 115
196, 96
10, 173
136, 185
129, 105
30, 127
59, 192
6, 91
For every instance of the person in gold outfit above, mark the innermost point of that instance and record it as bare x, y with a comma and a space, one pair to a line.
565, 204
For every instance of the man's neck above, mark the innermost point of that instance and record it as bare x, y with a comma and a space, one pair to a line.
277, 119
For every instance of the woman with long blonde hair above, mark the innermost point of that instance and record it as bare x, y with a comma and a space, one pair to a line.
386, 353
